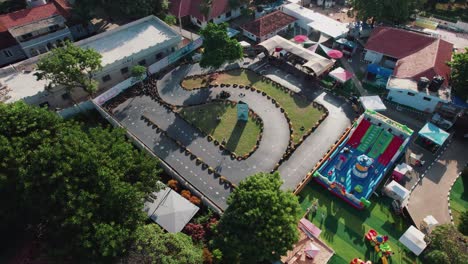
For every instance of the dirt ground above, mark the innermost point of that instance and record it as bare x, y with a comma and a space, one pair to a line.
337, 12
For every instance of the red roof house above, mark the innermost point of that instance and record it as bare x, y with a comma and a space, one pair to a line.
418, 55
182, 8
26, 16
267, 26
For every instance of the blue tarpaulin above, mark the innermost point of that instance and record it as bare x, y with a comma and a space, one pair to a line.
376, 69
459, 102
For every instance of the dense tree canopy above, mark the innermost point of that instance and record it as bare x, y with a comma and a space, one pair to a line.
152, 245
124, 8
390, 11
260, 223
459, 76
85, 187
447, 243
70, 66
219, 47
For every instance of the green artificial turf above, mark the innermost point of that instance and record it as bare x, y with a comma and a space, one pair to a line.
459, 198
299, 109
343, 226
240, 137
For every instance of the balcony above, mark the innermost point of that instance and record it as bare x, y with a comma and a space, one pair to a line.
50, 37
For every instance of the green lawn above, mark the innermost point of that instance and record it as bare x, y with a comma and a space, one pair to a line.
459, 198
343, 227
299, 109
240, 136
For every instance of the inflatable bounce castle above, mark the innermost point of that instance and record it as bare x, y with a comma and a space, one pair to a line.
357, 166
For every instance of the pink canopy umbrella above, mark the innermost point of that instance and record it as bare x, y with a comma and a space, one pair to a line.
300, 38
278, 49
335, 54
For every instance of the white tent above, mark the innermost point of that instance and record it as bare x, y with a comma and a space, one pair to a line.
396, 191
372, 103
170, 210
315, 62
413, 239
244, 44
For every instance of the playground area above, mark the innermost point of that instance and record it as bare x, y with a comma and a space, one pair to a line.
345, 228
357, 166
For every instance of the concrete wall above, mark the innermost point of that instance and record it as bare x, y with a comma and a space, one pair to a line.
417, 101
17, 53
76, 109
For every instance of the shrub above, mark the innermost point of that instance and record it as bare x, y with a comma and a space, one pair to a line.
173, 184
195, 200
207, 256
196, 231
186, 194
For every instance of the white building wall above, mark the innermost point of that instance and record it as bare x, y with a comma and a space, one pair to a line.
414, 99
373, 57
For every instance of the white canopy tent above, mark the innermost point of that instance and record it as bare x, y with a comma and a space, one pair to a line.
396, 191
413, 239
373, 103
170, 210
315, 62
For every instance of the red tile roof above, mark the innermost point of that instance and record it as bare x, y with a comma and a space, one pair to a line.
397, 43
26, 16
427, 62
418, 55
269, 23
192, 7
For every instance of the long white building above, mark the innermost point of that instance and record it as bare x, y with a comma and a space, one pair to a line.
142, 42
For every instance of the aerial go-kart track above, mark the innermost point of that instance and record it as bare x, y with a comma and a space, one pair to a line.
357, 166
188, 117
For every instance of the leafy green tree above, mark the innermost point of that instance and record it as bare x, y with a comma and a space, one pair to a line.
390, 11
463, 225
170, 20
70, 66
138, 72
86, 187
219, 48
459, 75
446, 239
260, 223
152, 245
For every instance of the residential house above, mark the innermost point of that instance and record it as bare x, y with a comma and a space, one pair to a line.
409, 56
36, 30
268, 26
220, 11
141, 42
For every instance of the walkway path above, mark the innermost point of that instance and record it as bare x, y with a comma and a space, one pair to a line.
430, 196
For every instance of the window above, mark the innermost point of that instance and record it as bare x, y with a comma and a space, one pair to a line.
228, 14
411, 94
400, 91
198, 22
142, 62
106, 78
54, 27
124, 70
26, 36
7, 53
159, 56
33, 52
427, 98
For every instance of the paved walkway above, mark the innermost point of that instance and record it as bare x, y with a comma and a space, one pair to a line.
430, 196
274, 141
